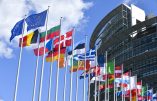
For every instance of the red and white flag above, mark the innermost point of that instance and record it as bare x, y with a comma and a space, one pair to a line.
118, 71
65, 40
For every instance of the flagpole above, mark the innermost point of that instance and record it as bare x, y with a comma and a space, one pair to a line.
122, 82
147, 92
98, 88
130, 85
108, 91
106, 78
84, 82
89, 85
96, 75
36, 74
116, 93
57, 75
50, 77
65, 76
19, 64
71, 76
136, 89
141, 90
43, 62
114, 82
76, 96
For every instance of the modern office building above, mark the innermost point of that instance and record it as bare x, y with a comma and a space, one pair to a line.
129, 36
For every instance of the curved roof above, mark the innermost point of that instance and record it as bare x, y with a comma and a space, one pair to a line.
103, 22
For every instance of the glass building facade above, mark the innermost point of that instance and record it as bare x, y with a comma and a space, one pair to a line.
134, 46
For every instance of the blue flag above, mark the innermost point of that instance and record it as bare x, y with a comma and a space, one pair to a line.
101, 60
36, 20
90, 55
17, 30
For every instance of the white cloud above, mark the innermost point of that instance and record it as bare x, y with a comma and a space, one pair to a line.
5, 51
13, 11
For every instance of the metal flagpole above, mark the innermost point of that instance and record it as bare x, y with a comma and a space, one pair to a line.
76, 96
136, 89
36, 74
122, 82
89, 85
19, 64
84, 82
106, 78
114, 81
42, 71
147, 92
141, 90
116, 93
108, 91
71, 76
50, 78
130, 85
65, 76
95, 76
98, 89
57, 75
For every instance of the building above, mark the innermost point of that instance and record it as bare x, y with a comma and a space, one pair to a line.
129, 36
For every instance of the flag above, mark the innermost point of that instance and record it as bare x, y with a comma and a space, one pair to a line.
84, 74
132, 84
68, 40
110, 67
150, 94
101, 60
61, 63
64, 41
139, 88
79, 65
57, 42
154, 97
144, 90
55, 55
36, 20
17, 29
90, 55
102, 86
29, 39
126, 78
51, 33
79, 49
100, 78
118, 71
41, 48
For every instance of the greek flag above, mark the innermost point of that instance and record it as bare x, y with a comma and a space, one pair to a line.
90, 55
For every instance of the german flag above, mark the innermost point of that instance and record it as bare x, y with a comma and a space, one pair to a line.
53, 56
29, 39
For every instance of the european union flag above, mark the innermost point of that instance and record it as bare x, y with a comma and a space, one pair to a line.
36, 20
101, 60
17, 29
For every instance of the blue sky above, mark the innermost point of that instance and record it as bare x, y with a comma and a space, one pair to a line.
8, 67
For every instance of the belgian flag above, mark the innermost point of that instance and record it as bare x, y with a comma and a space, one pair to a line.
29, 39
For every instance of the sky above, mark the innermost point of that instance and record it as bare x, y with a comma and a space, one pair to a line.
84, 15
